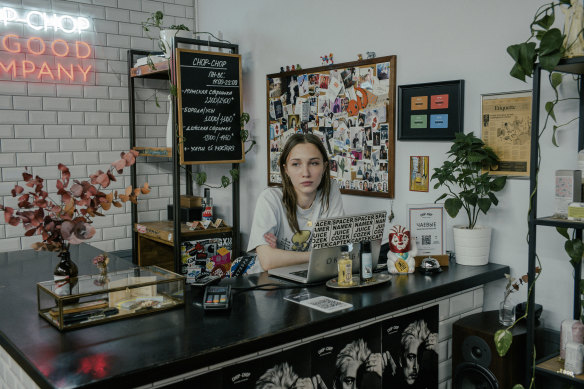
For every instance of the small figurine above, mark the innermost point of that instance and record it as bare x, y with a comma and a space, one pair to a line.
400, 257
327, 58
293, 68
371, 54
359, 57
287, 68
282, 69
298, 67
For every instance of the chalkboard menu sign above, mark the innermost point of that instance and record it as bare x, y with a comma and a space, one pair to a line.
209, 107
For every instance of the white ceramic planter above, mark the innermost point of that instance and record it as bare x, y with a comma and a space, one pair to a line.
167, 37
472, 246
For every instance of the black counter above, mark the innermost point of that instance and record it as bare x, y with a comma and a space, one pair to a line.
145, 349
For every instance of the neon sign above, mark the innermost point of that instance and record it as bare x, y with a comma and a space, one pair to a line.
42, 21
44, 60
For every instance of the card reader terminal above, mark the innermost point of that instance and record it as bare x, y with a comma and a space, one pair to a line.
217, 297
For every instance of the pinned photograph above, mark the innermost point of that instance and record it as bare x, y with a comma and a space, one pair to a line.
324, 81
303, 84
275, 87
383, 71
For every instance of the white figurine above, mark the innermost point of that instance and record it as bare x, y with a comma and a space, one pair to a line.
573, 24
402, 250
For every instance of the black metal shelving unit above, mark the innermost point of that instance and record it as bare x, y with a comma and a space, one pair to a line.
548, 366
166, 70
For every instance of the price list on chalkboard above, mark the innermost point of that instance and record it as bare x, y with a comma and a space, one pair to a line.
209, 106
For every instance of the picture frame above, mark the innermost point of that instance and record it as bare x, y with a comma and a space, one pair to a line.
506, 128
427, 225
351, 107
419, 173
431, 111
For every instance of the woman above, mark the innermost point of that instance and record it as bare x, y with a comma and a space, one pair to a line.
284, 217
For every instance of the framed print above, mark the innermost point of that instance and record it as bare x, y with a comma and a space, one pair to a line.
419, 179
431, 111
506, 128
427, 226
351, 108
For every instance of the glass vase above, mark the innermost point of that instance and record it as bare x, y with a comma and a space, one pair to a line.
506, 312
102, 279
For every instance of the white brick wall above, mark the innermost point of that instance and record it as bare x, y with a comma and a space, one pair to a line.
85, 124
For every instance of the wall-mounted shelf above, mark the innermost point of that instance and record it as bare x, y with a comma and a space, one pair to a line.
168, 254
573, 66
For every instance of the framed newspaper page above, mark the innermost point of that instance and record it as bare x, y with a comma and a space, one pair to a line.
506, 128
427, 227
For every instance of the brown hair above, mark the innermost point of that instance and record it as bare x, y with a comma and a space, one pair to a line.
288, 192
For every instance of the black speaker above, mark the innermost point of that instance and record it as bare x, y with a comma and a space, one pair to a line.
475, 361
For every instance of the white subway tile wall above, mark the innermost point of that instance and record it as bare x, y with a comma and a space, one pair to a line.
85, 125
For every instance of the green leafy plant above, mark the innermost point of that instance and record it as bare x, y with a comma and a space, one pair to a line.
469, 188
155, 20
546, 45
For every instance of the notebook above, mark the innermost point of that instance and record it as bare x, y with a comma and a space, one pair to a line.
328, 236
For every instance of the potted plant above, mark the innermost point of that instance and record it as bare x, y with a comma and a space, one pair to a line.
547, 45
167, 34
464, 174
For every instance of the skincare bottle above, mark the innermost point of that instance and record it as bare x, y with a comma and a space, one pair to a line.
366, 262
345, 267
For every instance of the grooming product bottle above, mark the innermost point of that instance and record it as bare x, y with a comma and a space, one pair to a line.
366, 272
345, 267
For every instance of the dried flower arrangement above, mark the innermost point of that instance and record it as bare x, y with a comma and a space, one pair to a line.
69, 220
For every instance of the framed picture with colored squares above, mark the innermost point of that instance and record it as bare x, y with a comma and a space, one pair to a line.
430, 111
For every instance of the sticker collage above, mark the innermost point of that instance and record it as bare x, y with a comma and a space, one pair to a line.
350, 109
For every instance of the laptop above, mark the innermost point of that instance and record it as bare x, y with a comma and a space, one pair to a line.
329, 235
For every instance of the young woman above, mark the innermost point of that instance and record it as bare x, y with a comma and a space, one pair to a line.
281, 231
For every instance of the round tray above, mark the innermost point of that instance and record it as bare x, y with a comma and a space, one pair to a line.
378, 278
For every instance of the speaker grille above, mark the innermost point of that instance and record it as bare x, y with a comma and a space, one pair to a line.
476, 350
474, 376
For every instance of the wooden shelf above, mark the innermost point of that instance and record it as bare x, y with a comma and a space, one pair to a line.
571, 65
162, 231
552, 367
162, 152
161, 71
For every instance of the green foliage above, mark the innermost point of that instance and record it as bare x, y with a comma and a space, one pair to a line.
551, 43
156, 20
503, 339
468, 157
573, 246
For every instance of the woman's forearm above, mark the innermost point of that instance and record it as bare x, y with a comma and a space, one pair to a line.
271, 258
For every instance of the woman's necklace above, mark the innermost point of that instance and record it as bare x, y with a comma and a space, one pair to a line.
309, 219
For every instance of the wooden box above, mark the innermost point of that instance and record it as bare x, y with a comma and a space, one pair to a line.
190, 201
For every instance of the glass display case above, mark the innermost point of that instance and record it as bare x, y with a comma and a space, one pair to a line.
96, 298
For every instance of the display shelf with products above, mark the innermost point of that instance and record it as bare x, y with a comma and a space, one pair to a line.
166, 70
551, 365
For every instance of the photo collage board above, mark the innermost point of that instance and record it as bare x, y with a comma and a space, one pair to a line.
350, 107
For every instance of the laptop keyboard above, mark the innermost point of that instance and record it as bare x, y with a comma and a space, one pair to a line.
301, 273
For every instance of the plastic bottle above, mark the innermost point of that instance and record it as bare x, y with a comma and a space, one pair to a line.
366, 272
208, 206
345, 266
